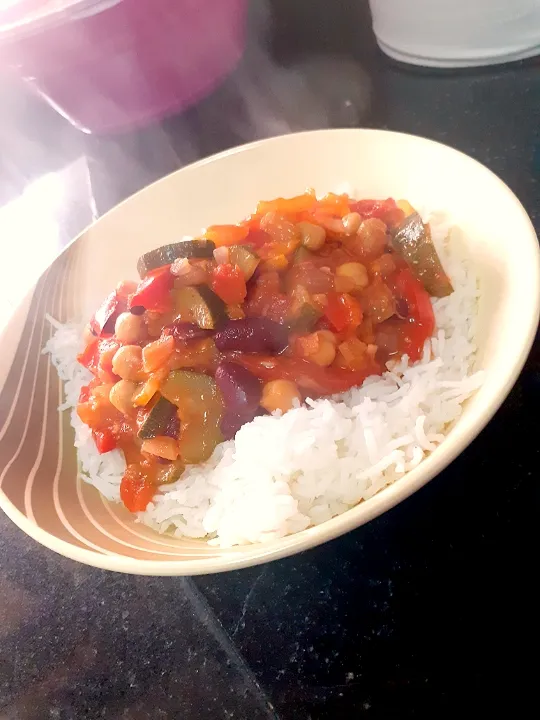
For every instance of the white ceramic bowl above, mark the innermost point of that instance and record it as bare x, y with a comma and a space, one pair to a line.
39, 490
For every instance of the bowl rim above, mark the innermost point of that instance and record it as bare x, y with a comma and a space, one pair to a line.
255, 554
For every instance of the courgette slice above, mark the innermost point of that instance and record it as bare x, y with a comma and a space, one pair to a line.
201, 306
413, 241
157, 420
200, 407
167, 254
244, 258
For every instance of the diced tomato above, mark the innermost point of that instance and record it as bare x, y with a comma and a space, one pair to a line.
98, 355
266, 298
343, 311
104, 440
226, 234
229, 283
136, 490
385, 210
311, 277
256, 238
154, 292
352, 352
307, 375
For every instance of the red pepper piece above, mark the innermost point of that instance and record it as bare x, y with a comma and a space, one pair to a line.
104, 440
154, 292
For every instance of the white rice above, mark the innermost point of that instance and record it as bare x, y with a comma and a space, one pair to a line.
282, 474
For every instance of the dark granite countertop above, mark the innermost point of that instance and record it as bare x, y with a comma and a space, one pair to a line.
428, 611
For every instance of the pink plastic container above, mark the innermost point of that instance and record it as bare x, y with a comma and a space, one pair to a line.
111, 65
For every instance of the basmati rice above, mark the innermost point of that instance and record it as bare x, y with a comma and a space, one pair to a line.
283, 473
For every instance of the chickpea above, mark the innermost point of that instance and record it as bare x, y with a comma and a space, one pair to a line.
121, 396
356, 272
129, 328
279, 395
351, 222
326, 348
313, 236
127, 363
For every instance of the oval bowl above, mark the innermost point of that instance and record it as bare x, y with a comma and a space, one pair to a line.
39, 487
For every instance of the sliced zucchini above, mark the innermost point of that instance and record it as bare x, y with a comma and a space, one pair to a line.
200, 407
201, 306
244, 258
167, 254
157, 420
413, 241
305, 320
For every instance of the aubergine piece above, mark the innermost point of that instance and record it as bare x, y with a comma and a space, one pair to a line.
200, 305
157, 420
412, 240
167, 254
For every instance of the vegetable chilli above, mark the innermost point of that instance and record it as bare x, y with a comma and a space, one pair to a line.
305, 298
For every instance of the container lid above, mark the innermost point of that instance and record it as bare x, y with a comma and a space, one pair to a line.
22, 17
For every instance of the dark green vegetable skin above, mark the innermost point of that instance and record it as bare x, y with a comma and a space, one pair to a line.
210, 311
412, 240
167, 254
158, 419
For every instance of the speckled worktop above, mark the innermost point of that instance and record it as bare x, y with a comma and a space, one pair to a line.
428, 611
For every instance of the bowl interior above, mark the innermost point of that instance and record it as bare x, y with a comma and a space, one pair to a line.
39, 490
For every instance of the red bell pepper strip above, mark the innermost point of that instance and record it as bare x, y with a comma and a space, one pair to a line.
153, 293
229, 283
411, 290
104, 440
420, 323
256, 238
307, 375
